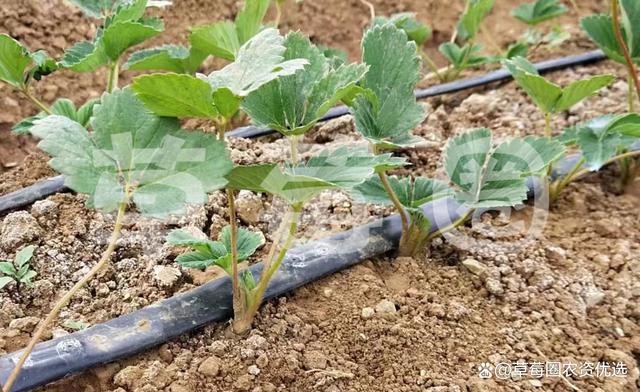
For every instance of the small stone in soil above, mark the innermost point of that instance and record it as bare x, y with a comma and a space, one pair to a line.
474, 266
24, 324
253, 370
367, 313
18, 228
210, 367
314, 360
385, 307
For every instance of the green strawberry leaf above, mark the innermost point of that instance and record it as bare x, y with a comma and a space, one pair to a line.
85, 56
175, 95
8, 268
603, 137
219, 39
248, 241
336, 56
172, 58
162, 167
488, 177
464, 57
259, 61
581, 89
122, 35
518, 49
340, 168
412, 193
295, 103
549, 97
599, 28
417, 31
24, 256
471, 19
4, 281
248, 281
224, 39
388, 111
62, 107
14, 60
539, 11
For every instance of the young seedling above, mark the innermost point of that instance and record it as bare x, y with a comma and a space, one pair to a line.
483, 175
18, 271
19, 68
296, 185
225, 39
293, 104
603, 140
388, 111
549, 97
124, 26
534, 14
218, 96
466, 54
206, 253
132, 157
619, 40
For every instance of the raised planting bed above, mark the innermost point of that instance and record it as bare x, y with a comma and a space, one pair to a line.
464, 243
432, 294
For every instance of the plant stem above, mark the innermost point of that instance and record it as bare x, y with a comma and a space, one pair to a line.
372, 10
490, 39
278, 14
450, 227
239, 303
630, 97
396, 202
629, 154
631, 68
36, 101
432, 66
547, 125
562, 183
574, 4
112, 79
293, 145
270, 268
115, 235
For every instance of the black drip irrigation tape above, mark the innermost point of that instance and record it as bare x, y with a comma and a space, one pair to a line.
53, 185
212, 302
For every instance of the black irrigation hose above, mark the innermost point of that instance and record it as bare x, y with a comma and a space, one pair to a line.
212, 302
53, 185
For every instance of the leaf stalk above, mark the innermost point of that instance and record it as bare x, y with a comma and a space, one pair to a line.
36, 101
631, 68
112, 78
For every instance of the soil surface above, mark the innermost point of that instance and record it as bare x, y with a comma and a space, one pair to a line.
389, 324
398, 324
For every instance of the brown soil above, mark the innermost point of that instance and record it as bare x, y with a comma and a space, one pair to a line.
570, 296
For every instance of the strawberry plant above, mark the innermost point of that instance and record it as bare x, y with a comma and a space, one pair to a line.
296, 184
534, 14
218, 96
124, 26
463, 51
131, 158
221, 39
549, 97
619, 39
483, 175
293, 104
602, 140
18, 271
